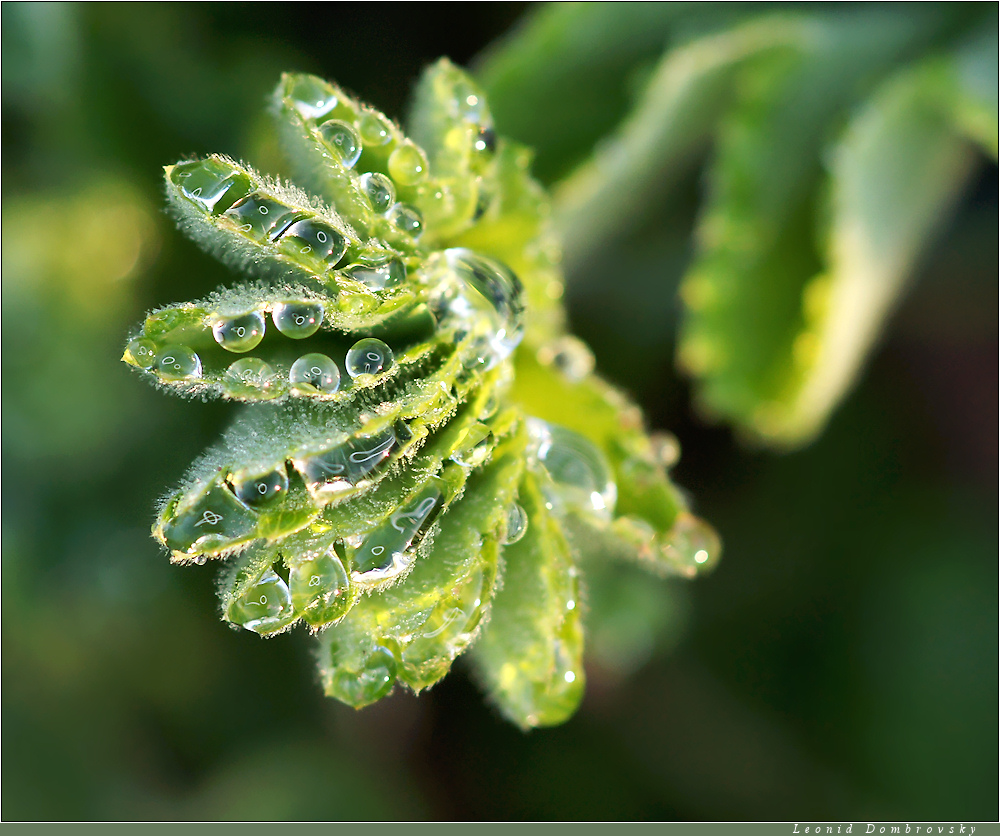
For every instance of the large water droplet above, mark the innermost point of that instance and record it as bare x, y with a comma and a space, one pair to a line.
379, 190
239, 333
493, 290
209, 521
375, 129
262, 217
343, 141
385, 552
335, 471
251, 377
140, 352
474, 446
265, 607
369, 356
379, 275
315, 373
364, 683
517, 524
579, 470
406, 219
297, 320
212, 183
257, 491
312, 97
321, 585
177, 362
407, 164
314, 241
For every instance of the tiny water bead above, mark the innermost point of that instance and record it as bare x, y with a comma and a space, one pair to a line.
486, 140
369, 356
375, 129
240, 333
212, 183
344, 141
318, 241
407, 164
141, 352
266, 607
257, 491
692, 545
517, 524
379, 190
297, 320
311, 97
251, 377
469, 104
406, 219
315, 372
261, 216
570, 355
380, 275
177, 362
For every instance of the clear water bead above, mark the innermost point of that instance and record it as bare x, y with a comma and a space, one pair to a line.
379, 190
369, 356
374, 127
314, 240
379, 275
239, 333
579, 470
251, 377
297, 320
407, 164
344, 141
178, 362
570, 355
212, 183
517, 524
311, 97
315, 373
257, 491
406, 219
320, 583
265, 607
140, 352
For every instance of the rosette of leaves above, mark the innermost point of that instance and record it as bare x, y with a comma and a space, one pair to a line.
424, 455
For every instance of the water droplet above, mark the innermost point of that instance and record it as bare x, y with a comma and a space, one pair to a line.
140, 352
320, 584
262, 217
369, 356
343, 141
256, 491
517, 524
315, 241
212, 183
485, 141
379, 190
407, 164
570, 355
375, 129
497, 293
251, 377
335, 471
385, 553
406, 219
312, 97
177, 362
469, 103
692, 544
474, 446
666, 448
379, 275
579, 470
265, 607
297, 320
360, 684
315, 373
209, 521
239, 333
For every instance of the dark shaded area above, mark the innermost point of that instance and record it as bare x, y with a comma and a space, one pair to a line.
841, 663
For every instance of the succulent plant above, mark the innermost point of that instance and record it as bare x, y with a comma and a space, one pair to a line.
425, 462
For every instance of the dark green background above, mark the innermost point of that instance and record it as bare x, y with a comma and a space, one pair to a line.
840, 664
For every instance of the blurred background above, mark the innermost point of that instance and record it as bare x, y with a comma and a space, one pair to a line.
841, 663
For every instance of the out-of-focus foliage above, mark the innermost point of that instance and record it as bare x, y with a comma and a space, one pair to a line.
840, 664
840, 140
